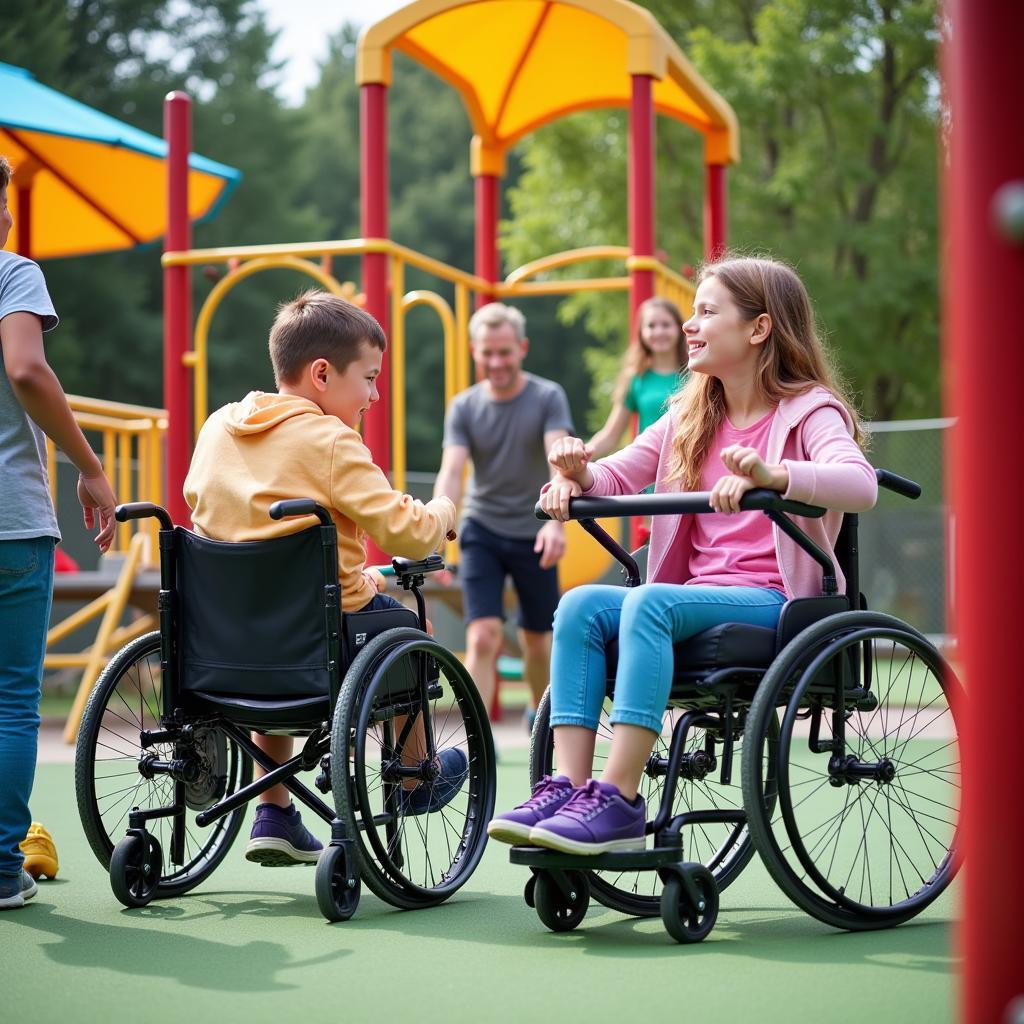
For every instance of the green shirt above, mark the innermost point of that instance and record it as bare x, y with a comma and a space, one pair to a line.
648, 395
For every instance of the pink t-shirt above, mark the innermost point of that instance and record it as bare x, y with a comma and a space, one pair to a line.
736, 550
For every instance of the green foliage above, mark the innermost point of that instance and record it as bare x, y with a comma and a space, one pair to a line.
838, 106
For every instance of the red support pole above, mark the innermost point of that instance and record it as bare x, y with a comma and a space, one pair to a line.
715, 219
641, 187
488, 194
23, 227
641, 207
984, 365
373, 169
177, 304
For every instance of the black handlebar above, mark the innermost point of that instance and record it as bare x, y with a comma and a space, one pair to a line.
900, 484
300, 507
696, 502
143, 510
687, 503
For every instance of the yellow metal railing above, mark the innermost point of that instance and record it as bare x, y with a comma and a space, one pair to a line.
244, 261
130, 440
131, 446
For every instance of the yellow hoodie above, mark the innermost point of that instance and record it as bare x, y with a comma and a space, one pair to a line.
267, 447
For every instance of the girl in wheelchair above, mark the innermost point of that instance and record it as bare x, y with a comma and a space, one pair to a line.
762, 408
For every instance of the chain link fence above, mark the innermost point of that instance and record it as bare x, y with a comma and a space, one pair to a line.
905, 545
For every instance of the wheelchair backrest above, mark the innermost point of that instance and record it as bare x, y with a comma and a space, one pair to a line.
250, 617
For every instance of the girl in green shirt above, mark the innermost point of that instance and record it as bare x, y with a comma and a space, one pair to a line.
650, 374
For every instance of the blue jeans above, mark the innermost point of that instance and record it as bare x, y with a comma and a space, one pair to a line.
648, 620
26, 589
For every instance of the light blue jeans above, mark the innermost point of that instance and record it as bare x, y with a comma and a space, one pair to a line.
26, 589
648, 620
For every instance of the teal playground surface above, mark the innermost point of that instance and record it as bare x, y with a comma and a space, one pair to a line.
250, 945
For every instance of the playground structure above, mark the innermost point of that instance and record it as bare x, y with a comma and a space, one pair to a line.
987, 269
516, 67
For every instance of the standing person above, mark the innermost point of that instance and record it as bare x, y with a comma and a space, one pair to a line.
653, 369
505, 424
32, 403
761, 409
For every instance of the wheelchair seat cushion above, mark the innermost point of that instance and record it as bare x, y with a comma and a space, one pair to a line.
728, 645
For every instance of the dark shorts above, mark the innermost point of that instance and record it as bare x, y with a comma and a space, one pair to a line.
381, 603
486, 560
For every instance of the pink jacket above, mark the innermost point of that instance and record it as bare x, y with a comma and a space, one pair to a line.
811, 434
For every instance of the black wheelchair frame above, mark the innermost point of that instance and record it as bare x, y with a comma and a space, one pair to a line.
358, 686
731, 683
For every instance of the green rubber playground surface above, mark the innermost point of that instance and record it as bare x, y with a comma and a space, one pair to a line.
250, 945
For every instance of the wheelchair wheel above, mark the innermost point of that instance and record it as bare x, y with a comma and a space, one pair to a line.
135, 870
126, 701
415, 848
335, 897
562, 911
865, 833
684, 921
723, 848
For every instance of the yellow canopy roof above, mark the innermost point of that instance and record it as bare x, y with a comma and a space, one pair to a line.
521, 63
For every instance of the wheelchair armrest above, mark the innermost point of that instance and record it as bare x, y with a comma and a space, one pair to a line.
417, 567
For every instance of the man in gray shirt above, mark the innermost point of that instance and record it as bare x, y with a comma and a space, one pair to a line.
32, 403
505, 424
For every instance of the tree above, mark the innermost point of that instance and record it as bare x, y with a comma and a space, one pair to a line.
838, 106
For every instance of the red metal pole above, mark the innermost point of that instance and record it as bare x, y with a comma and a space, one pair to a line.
983, 282
641, 207
177, 304
488, 194
641, 187
373, 168
715, 219
24, 224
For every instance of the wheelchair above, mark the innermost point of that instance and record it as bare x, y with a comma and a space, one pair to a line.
841, 724
252, 638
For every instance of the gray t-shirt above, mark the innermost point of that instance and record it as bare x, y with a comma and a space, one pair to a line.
25, 506
506, 443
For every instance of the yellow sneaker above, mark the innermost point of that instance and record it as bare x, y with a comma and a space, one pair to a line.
40, 853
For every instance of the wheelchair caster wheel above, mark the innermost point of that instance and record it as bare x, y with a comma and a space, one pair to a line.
684, 919
528, 891
135, 867
561, 910
337, 891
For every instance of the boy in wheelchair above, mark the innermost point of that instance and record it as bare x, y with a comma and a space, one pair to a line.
761, 409
303, 442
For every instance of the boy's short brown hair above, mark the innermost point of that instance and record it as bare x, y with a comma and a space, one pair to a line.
6, 172
318, 325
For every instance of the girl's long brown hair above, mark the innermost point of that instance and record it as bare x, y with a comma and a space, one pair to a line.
637, 359
790, 361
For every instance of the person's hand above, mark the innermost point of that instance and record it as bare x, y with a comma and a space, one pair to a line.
98, 501
569, 455
550, 544
748, 471
744, 461
555, 500
726, 494
376, 577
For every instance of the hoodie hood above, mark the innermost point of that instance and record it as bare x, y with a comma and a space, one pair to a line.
260, 411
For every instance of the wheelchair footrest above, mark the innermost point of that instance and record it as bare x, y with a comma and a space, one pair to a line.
628, 860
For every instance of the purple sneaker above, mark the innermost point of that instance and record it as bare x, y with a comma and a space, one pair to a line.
279, 839
549, 795
598, 819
